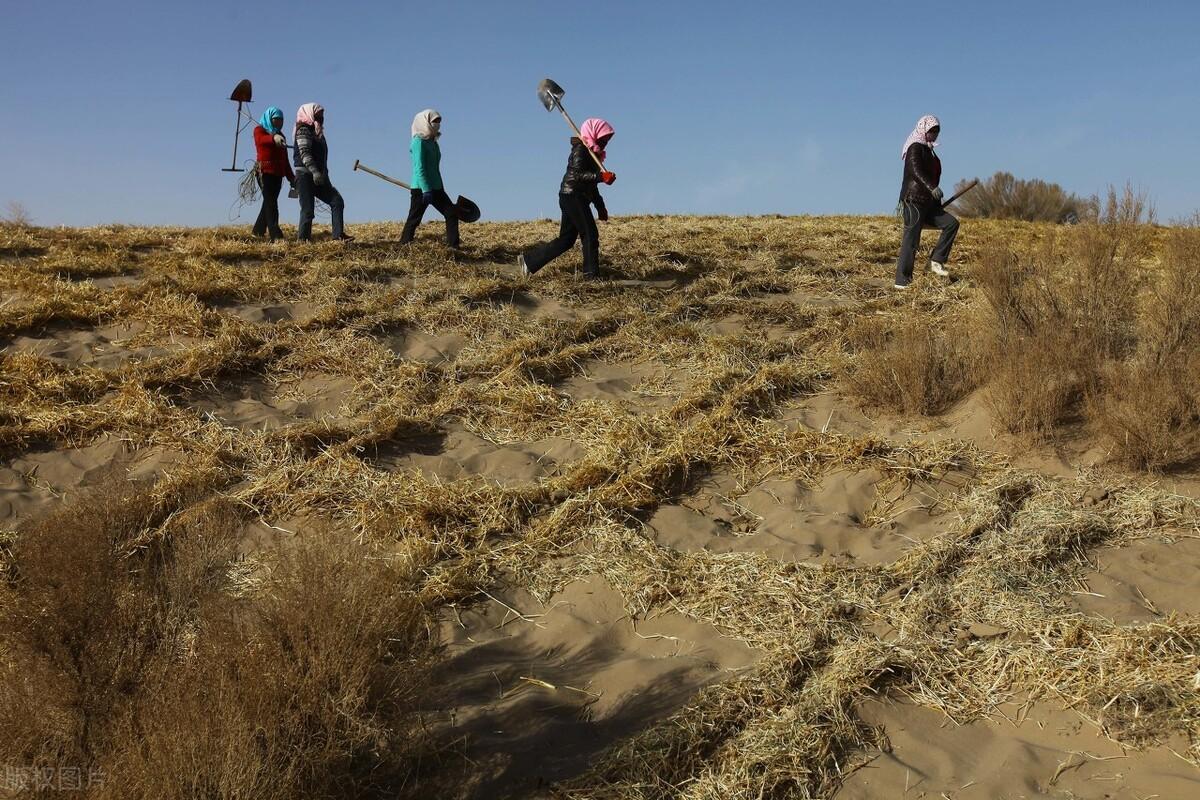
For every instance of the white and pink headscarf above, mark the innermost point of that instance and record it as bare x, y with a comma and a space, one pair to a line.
592, 131
307, 115
924, 125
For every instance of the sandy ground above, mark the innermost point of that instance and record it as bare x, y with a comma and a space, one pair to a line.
538, 687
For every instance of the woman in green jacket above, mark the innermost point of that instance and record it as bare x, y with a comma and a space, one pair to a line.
427, 189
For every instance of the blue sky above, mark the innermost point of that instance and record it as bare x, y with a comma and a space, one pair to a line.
116, 110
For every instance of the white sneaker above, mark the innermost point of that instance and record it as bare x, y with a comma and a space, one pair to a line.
939, 269
524, 267
901, 285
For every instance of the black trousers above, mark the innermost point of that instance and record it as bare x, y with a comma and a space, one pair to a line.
268, 215
309, 194
917, 216
416, 211
577, 223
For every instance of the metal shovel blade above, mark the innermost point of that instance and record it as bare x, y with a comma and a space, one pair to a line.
467, 210
242, 92
550, 93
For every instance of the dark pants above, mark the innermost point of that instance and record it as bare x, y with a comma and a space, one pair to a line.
268, 215
416, 210
309, 193
917, 216
577, 223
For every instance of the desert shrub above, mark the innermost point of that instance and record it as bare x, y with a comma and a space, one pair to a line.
160, 669
1170, 319
1058, 315
17, 215
1004, 196
1030, 355
1150, 405
917, 366
1151, 414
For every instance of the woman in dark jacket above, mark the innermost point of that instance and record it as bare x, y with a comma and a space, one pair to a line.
311, 157
577, 194
921, 202
271, 148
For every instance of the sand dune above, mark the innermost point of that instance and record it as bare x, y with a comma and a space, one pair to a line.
631, 504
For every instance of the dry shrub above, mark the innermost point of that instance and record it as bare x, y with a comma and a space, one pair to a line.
1003, 196
1151, 413
919, 366
1170, 321
1029, 352
161, 670
17, 215
1057, 315
1150, 406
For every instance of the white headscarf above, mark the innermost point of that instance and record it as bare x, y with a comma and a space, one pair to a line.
427, 124
924, 125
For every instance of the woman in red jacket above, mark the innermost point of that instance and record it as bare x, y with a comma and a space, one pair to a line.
273, 167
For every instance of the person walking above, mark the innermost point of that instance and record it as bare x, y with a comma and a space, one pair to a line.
577, 194
273, 166
311, 157
921, 202
427, 189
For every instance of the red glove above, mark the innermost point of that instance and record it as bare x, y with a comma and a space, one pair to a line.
608, 177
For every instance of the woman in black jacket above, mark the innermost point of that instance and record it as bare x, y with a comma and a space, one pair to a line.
921, 202
577, 194
311, 158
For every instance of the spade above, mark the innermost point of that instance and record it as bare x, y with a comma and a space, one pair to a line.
551, 95
241, 94
466, 211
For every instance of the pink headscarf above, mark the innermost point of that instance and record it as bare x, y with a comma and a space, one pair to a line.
924, 125
307, 115
592, 131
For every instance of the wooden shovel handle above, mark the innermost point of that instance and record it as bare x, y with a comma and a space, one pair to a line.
358, 165
961, 192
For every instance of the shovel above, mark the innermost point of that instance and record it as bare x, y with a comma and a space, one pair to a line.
551, 95
465, 210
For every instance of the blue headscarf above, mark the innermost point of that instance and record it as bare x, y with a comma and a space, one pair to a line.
265, 120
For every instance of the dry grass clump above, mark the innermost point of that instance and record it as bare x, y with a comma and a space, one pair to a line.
914, 367
163, 670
